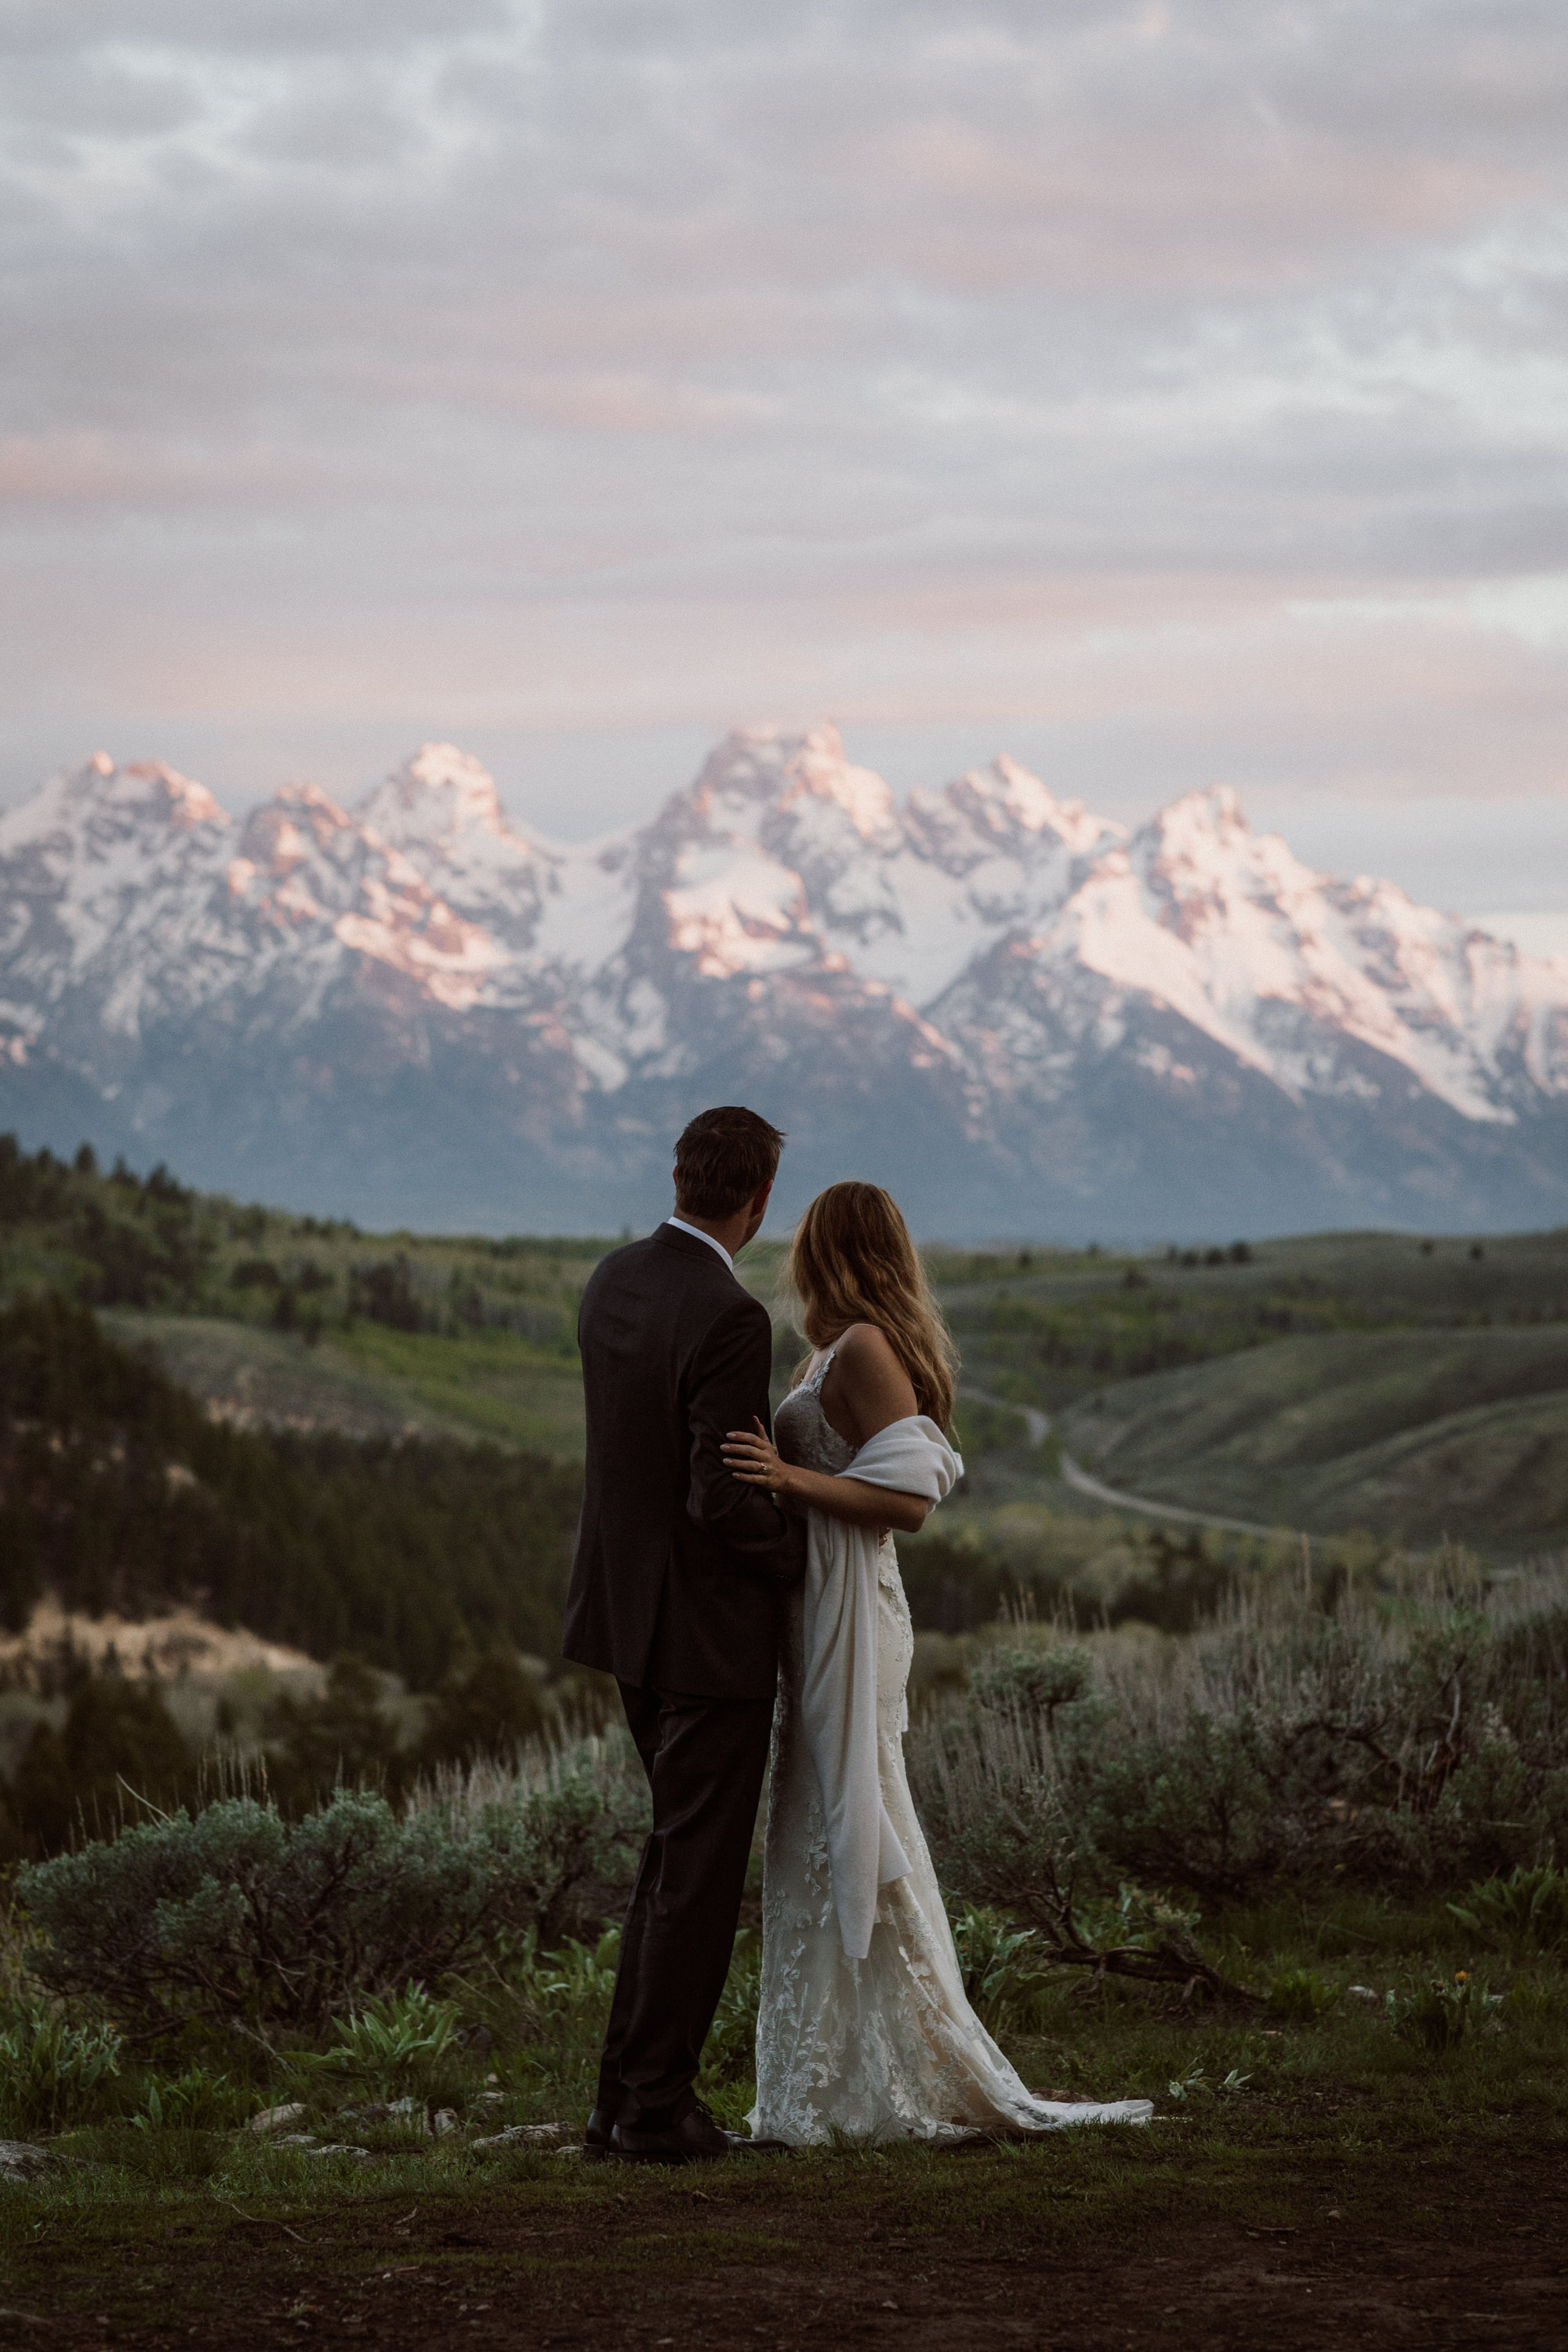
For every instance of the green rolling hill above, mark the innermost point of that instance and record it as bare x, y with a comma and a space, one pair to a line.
1408, 1386
1412, 1434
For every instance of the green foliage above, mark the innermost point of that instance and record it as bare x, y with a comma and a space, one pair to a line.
1285, 1743
1035, 1681
1301, 1995
1044, 1327
117, 1491
341, 1736
730, 2053
488, 1705
196, 2099
1196, 2088
982, 1428
1529, 1907
1003, 1964
122, 1240
1437, 2014
119, 1744
53, 2073
960, 1583
383, 1292
578, 1981
127, 1241
397, 2045
1133, 1920
1416, 1434
236, 1916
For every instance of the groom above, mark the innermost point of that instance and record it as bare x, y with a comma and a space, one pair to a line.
675, 1588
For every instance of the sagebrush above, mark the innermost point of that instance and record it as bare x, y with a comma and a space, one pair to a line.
1419, 1738
234, 1917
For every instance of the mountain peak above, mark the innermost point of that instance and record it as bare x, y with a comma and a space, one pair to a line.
759, 769
985, 972
1210, 810
817, 761
141, 786
439, 793
1007, 797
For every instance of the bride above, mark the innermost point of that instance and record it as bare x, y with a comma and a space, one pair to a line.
863, 2025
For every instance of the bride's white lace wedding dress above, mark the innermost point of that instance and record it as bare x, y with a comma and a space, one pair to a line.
885, 2047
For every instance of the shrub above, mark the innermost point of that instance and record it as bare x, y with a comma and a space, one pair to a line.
236, 1916
1411, 1742
193, 2100
390, 2036
1035, 1682
578, 1980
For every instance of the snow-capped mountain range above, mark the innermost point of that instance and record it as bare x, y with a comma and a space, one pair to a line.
1023, 1018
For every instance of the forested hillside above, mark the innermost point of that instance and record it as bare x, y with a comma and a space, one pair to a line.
422, 1567
117, 1491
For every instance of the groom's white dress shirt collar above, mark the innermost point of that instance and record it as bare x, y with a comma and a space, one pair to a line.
682, 1227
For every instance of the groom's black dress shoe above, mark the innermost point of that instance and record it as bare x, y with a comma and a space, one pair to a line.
695, 2139
597, 2137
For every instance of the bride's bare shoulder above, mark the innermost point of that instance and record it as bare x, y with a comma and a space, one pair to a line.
871, 1379
863, 1346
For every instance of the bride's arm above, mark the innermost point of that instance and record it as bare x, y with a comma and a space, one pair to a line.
871, 1391
754, 1461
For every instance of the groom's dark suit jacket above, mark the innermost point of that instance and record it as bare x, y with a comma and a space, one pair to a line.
679, 1567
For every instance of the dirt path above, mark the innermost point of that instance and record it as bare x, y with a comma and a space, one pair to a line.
1077, 1475
677, 2263
1073, 1473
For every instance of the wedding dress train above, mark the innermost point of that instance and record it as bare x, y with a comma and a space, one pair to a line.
886, 2046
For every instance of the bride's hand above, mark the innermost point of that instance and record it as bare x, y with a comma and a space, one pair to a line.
753, 1457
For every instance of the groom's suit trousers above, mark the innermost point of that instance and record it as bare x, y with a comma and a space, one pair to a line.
704, 1759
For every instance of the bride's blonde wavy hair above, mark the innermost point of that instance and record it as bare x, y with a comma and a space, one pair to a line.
852, 1260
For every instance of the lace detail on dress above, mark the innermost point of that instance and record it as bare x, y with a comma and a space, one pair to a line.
887, 2047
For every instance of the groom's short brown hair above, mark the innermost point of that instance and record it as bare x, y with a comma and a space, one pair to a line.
723, 1160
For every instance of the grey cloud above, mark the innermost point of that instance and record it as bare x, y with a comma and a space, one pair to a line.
330, 315
244, 28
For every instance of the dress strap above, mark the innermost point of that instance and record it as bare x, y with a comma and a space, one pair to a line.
813, 1380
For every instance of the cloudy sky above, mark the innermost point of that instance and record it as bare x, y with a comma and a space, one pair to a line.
1172, 393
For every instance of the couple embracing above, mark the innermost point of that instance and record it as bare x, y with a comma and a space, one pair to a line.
746, 1594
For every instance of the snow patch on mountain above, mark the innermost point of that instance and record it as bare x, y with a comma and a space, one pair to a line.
785, 911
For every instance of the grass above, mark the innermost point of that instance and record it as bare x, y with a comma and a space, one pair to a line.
1418, 1434
491, 1384
1340, 2135
371, 1382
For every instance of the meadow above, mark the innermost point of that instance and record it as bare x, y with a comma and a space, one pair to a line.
1355, 2044
1271, 1833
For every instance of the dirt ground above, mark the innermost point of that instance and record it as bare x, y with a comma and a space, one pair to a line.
982, 2255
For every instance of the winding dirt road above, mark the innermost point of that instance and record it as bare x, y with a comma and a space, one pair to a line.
1074, 1474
